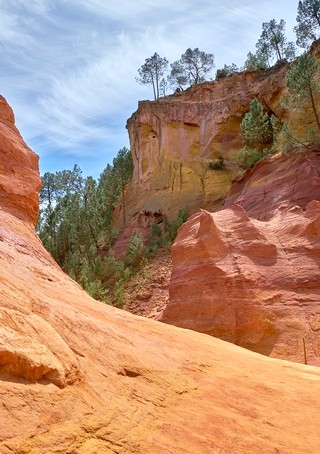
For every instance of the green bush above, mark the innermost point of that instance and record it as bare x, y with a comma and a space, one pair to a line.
97, 291
248, 157
136, 252
258, 130
177, 223
227, 70
218, 164
256, 127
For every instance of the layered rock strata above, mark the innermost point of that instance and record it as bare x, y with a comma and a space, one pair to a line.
78, 376
249, 274
173, 141
19, 176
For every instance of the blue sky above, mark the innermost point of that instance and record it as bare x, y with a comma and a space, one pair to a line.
68, 67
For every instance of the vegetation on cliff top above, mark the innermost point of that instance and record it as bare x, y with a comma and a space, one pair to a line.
308, 22
272, 48
263, 134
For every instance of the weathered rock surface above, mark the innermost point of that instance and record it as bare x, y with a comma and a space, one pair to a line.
78, 376
281, 183
249, 274
174, 139
19, 176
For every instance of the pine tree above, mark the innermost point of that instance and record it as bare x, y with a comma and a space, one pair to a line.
273, 44
193, 68
302, 82
256, 127
151, 72
257, 134
308, 19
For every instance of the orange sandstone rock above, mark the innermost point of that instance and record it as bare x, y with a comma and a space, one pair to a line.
174, 139
279, 183
249, 274
78, 376
19, 176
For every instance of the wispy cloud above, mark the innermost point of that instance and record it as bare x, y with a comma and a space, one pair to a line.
69, 67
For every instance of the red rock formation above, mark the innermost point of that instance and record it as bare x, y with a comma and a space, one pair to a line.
250, 282
79, 376
282, 183
19, 176
174, 139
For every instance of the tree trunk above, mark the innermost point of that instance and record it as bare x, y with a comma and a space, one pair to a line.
123, 207
314, 107
316, 17
154, 88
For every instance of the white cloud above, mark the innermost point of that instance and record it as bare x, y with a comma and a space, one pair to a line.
69, 66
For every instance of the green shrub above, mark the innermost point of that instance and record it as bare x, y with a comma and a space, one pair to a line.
218, 164
136, 252
227, 70
177, 223
248, 157
258, 131
256, 127
97, 291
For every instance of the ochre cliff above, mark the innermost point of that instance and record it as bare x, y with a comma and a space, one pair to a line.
19, 176
174, 139
249, 273
78, 376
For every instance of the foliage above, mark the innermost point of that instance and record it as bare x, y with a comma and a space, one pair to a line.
256, 62
302, 82
256, 127
227, 70
303, 90
308, 22
136, 251
151, 72
177, 223
164, 236
193, 68
257, 133
285, 140
75, 226
218, 164
75, 219
122, 170
163, 87
158, 237
273, 45
249, 156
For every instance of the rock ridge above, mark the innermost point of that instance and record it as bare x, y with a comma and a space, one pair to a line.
249, 274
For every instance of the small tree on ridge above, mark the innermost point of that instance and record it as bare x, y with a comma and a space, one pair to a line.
151, 73
192, 68
308, 19
273, 44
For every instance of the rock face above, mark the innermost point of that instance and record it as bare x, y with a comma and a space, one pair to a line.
249, 274
279, 183
174, 139
19, 176
78, 376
